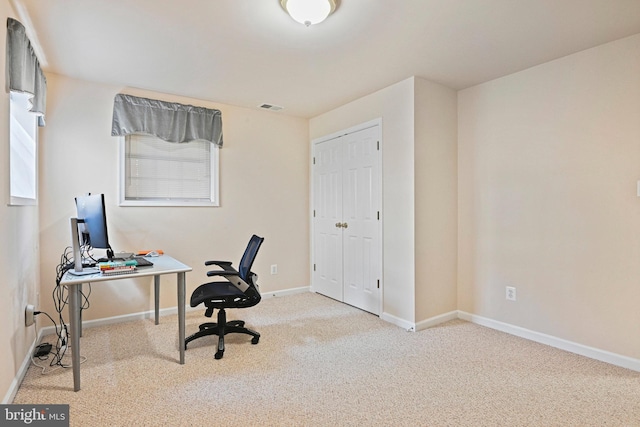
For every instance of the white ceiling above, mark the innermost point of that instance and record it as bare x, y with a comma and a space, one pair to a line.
249, 52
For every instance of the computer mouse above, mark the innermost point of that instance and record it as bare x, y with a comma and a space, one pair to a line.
152, 253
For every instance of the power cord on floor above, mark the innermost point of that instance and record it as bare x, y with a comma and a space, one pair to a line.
44, 350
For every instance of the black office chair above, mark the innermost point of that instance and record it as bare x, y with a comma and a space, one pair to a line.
239, 291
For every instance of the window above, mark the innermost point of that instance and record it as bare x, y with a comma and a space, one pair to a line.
23, 157
155, 172
27, 88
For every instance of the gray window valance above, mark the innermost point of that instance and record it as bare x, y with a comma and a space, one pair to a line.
23, 73
169, 121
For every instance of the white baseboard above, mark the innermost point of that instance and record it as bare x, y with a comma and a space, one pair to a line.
49, 330
293, 291
434, 321
15, 384
423, 324
404, 324
562, 344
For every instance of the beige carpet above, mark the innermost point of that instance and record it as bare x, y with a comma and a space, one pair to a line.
322, 363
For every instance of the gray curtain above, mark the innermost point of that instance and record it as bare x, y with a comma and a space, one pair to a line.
169, 121
23, 73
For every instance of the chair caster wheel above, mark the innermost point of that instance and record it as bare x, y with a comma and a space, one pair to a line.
219, 355
255, 340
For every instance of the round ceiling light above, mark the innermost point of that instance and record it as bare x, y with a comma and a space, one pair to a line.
309, 12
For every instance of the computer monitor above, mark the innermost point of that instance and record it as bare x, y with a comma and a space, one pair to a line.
89, 228
92, 218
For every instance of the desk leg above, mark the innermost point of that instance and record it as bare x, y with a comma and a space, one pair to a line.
156, 290
79, 305
74, 324
181, 314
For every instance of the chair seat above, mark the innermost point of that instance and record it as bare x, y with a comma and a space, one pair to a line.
223, 295
215, 291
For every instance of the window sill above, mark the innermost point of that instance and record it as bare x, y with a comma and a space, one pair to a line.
21, 201
167, 203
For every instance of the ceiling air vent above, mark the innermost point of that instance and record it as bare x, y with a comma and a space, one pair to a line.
270, 107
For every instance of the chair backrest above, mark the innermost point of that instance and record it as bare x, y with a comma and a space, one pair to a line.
244, 268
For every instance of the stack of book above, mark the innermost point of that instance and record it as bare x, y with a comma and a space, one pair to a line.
115, 268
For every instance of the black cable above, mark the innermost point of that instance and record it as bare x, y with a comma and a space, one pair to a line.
85, 299
35, 313
60, 297
60, 349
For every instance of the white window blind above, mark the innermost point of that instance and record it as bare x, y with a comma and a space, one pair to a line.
22, 150
161, 173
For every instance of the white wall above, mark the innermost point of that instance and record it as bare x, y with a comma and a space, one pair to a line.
263, 190
19, 259
419, 217
436, 194
548, 164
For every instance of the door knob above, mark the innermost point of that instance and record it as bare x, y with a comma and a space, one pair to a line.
345, 225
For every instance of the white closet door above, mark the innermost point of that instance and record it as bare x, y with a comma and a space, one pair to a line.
347, 200
327, 277
361, 243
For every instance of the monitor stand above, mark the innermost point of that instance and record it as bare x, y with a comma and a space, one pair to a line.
86, 271
78, 270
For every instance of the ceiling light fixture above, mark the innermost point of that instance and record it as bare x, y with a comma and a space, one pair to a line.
309, 12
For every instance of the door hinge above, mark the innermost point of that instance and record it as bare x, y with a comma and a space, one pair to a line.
378, 215
314, 160
314, 267
378, 283
378, 145
314, 213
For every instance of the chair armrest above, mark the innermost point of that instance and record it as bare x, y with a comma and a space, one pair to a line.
234, 278
220, 263
223, 273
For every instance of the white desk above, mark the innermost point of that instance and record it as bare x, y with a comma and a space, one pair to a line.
161, 265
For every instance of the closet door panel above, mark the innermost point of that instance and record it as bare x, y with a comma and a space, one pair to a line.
328, 274
360, 212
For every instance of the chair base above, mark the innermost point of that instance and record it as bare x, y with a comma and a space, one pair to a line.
222, 328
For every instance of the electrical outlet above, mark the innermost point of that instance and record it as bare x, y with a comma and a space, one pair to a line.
274, 269
511, 293
29, 318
